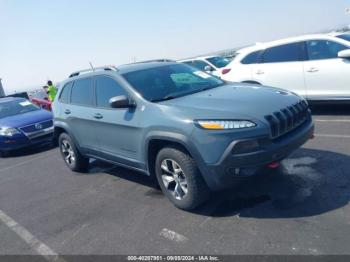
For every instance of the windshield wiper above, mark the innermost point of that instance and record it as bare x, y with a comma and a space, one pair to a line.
163, 98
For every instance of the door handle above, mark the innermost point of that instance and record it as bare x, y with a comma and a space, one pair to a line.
260, 72
98, 116
312, 70
67, 111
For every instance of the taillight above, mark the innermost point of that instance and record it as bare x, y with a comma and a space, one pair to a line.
225, 71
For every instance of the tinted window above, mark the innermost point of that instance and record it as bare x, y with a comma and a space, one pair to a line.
344, 37
282, 53
170, 81
251, 58
323, 49
82, 92
106, 88
64, 97
200, 64
219, 61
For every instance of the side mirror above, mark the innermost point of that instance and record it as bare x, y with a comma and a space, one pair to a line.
121, 102
208, 68
344, 54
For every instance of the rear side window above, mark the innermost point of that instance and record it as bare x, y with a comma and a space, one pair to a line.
282, 53
323, 49
344, 37
64, 97
200, 64
251, 58
106, 88
82, 92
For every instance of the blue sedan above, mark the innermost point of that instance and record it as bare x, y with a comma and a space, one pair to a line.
23, 124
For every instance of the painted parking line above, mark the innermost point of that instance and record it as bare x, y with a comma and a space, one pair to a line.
332, 120
332, 135
31, 240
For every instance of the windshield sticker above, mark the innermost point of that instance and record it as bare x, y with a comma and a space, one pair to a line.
202, 74
25, 103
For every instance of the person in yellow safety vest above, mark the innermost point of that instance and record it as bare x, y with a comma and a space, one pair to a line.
51, 90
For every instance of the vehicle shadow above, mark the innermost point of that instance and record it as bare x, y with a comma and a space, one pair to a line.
327, 109
31, 150
310, 182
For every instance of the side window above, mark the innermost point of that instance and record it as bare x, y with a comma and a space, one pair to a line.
82, 92
64, 97
252, 58
106, 88
188, 63
323, 49
200, 64
282, 53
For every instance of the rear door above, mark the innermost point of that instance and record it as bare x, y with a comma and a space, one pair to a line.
80, 114
118, 133
326, 75
281, 66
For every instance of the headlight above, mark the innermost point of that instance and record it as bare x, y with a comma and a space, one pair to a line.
225, 124
8, 131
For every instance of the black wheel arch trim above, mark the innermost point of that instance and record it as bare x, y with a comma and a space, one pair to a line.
173, 137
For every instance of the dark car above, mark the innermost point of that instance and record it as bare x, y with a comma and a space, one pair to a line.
195, 132
23, 124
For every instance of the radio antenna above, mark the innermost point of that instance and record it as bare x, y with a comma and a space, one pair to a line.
92, 67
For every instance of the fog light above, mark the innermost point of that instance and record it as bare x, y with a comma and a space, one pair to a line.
246, 147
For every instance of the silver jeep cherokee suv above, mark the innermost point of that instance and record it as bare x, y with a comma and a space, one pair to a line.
193, 131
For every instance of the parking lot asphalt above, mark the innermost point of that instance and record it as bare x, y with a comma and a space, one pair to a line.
300, 208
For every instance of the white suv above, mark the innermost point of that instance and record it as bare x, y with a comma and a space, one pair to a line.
314, 66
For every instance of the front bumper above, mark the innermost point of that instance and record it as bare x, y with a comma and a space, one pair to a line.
232, 166
22, 141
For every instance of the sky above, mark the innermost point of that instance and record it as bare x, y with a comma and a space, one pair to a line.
41, 40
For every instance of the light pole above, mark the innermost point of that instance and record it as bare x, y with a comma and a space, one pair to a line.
2, 92
347, 12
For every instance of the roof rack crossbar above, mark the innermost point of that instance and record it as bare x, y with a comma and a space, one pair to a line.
101, 68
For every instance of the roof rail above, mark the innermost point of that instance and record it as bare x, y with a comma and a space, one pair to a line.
101, 68
161, 60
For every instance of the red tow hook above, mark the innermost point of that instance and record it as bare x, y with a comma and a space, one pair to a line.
273, 165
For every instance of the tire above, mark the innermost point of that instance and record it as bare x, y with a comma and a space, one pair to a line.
174, 182
71, 156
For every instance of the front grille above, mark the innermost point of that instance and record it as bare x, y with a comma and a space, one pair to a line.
287, 119
36, 127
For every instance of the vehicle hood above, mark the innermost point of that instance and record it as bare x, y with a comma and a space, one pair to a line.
234, 100
26, 119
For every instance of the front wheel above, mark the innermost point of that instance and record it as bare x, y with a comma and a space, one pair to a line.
71, 156
180, 179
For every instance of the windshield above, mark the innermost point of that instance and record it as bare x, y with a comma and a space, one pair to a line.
344, 37
219, 61
170, 81
16, 107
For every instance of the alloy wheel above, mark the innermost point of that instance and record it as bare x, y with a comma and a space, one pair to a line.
68, 152
174, 179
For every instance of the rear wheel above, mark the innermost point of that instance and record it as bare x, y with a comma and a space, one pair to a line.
180, 179
71, 156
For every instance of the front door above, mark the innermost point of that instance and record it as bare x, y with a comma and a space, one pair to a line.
326, 75
118, 132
